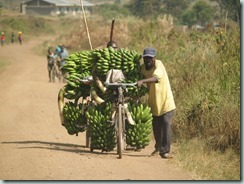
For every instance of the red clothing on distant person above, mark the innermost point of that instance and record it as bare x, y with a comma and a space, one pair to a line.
2, 37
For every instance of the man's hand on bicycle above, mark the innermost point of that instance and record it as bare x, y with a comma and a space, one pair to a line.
139, 83
88, 98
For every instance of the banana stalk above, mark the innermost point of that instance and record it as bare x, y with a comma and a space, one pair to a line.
96, 98
61, 104
128, 115
99, 82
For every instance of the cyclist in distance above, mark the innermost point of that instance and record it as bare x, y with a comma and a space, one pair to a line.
50, 63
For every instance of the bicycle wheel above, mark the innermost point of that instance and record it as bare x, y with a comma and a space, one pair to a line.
119, 132
87, 139
53, 74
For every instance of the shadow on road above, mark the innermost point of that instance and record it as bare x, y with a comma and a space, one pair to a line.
67, 147
79, 149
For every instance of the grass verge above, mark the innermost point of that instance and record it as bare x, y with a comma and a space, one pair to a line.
207, 164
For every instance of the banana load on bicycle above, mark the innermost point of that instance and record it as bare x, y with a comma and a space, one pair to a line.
96, 118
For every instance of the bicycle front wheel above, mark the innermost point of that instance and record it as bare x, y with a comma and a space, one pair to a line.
87, 139
120, 132
53, 74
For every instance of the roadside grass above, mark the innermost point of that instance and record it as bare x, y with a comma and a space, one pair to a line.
206, 164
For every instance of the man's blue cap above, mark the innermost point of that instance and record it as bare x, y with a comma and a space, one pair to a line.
150, 52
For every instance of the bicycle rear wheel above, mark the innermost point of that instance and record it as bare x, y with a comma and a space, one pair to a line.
87, 139
119, 132
53, 74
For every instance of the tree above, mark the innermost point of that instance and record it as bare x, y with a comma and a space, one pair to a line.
189, 18
1, 6
200, 13
232, 8
175, 7
145, 8
203, 12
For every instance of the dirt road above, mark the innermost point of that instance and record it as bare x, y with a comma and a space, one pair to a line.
34, 145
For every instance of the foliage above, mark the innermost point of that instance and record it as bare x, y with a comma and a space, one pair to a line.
207, 164
26, 25
203, 12
1, 6
109, 11
200, 13
189, 17
192, 12
204, 69
175, 7
229, 7
146, 9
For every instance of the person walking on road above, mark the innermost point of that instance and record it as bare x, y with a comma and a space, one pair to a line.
58, 50
20, 37
63, 55
50, 64
2, 38
160, 100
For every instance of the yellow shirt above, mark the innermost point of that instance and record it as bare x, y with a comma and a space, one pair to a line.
161, 98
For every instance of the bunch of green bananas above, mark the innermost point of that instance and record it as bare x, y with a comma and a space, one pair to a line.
110, 58
74, 119
75, 88
100, 129
123, 59
81, 64
77, 67
78, 62
138, 135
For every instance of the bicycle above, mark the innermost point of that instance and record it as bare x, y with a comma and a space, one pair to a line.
85, 101
58, 70
53, 73
120, 114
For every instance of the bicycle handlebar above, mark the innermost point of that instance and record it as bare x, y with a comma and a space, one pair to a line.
87, 79
121, 84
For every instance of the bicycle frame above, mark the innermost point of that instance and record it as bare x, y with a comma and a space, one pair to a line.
120, 122
120, 116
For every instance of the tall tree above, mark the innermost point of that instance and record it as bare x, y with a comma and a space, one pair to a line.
232, 8
1, 6
145, 8
175, 7
189, 18
203, 12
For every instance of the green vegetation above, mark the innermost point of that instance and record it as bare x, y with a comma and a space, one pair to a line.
207, 164
201, 13
204, 69
187, 12
109, 11
1, 6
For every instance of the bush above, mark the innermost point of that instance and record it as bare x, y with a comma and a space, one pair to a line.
204, 70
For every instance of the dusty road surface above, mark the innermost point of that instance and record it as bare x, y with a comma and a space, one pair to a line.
34, 145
